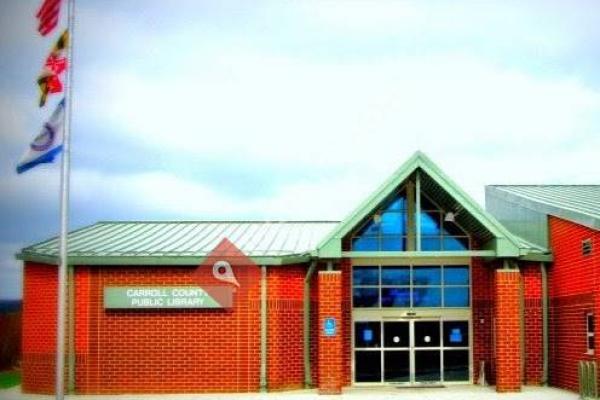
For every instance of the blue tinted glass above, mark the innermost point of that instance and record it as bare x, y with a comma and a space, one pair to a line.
456, 297
398, 203
365, 297
393, 223
456, 275
427, 297
430, 223
393, 243
431, 243
395, 297
455, 243
370, 228
398, 276
365, 276
365, 243
430, 275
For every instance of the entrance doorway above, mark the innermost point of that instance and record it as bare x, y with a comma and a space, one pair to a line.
417, 351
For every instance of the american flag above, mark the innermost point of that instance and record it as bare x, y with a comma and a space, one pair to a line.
48, 16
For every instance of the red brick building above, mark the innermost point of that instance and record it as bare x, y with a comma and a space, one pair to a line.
566, 220
417, 286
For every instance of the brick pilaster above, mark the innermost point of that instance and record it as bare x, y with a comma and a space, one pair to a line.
508, 337
330, 347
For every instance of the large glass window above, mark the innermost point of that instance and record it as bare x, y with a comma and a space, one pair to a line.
410, 286
439, 230
388, 228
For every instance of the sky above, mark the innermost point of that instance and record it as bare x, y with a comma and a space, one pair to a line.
292, 110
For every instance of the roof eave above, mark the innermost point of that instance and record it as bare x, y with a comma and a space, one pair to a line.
567, 213
156, 260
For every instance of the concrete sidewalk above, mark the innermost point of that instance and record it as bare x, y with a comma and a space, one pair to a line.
466, 392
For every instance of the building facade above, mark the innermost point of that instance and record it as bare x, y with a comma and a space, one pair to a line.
565, 219
417, 286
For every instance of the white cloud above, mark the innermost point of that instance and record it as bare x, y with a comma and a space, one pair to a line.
223, 88
159, 193
328, 114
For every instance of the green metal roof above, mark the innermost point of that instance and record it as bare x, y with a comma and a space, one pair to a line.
577, 203
279, 242
434, 181
183, 243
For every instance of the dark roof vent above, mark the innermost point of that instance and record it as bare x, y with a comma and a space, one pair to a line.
586, 247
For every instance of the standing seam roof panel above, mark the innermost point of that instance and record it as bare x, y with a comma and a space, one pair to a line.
165, 235
131, 239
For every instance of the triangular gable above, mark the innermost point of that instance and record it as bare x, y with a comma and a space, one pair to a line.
504, 244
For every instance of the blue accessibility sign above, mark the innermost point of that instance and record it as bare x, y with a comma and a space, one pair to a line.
330, 327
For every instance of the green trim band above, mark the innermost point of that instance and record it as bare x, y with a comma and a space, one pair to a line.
156, 259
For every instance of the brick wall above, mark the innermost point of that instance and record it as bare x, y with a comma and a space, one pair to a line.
346, 300
83, 312
330, 347
532, 302
161, 351
483, 317
507, 331
573, 286
314, 328
285, 291
39, 327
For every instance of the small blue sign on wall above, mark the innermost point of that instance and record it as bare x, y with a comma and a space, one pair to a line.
330, 327
455, 335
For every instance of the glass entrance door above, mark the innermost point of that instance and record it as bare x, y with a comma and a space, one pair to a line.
411, 351
426, 351
396, 353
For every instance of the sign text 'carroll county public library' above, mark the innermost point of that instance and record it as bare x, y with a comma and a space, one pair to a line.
167, 297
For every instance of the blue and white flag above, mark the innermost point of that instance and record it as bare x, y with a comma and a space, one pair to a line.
47, 144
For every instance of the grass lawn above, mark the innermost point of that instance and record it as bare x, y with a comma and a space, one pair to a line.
9, 379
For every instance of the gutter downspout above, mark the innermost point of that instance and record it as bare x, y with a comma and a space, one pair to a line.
263, 328
544, 323
307, 366
522, 323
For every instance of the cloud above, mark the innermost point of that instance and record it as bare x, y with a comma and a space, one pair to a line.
326, 114
163, 195
296, 110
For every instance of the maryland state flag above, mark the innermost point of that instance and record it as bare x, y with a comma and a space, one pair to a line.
47, 16
56, 64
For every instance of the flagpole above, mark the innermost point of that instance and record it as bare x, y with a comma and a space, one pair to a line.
64, 212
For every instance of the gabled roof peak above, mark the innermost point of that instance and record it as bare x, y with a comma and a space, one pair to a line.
498, 237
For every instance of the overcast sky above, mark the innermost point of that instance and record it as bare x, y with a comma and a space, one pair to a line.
293, 110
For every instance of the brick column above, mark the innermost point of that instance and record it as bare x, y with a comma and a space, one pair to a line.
330, 347
508, 337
